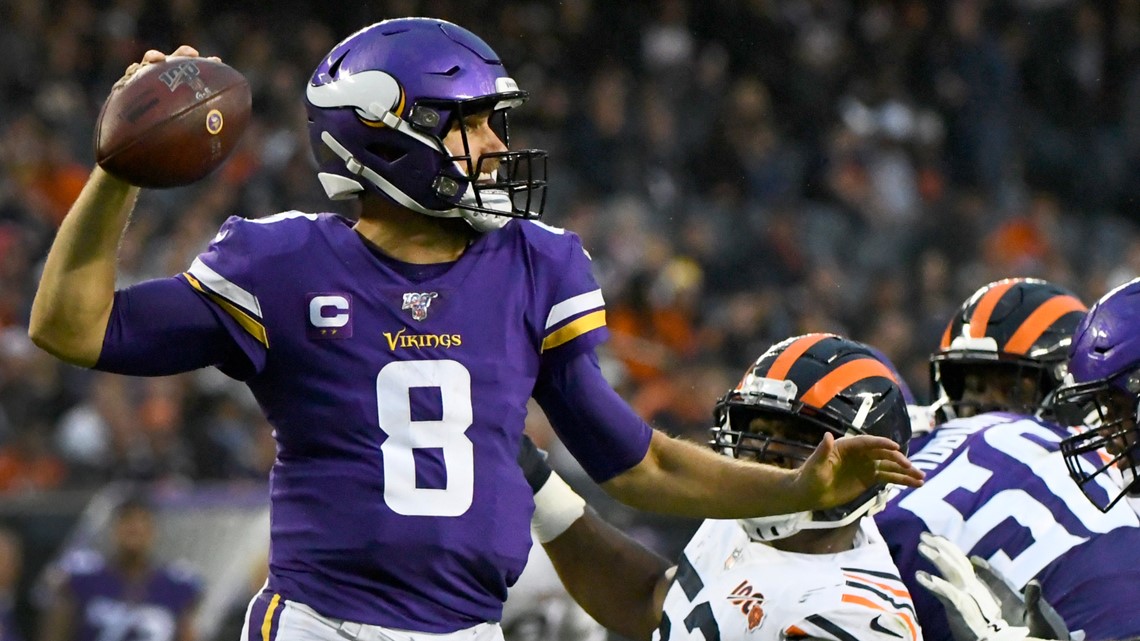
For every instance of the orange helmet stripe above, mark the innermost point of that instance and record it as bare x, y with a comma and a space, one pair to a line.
981, 317
791, 354
1040, 320
843, 377
945, 343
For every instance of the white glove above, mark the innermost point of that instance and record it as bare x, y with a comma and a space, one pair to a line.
981, 605
973, 612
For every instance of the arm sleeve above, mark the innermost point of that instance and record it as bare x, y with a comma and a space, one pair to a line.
596, 425
533, 463
164, 327
575, 321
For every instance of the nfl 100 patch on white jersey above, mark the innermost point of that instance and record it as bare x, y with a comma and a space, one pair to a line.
728, 587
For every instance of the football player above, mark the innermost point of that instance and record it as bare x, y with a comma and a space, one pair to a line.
996, 481
394, 355
1104, 387
824, 574
125, 594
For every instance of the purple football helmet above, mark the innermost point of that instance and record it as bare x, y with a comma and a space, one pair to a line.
1102, 392
381, 103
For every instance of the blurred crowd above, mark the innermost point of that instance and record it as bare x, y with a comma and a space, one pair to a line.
740, 170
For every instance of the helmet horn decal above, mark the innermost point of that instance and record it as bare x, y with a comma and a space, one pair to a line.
375, 96
1040, 320
843, 377
360, 91
981, 318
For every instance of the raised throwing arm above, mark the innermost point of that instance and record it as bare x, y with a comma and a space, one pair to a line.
76, 291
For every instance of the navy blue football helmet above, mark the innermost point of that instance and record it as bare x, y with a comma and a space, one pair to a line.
1014, 328
807, 386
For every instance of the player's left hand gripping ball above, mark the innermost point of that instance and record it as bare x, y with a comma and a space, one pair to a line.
173, 122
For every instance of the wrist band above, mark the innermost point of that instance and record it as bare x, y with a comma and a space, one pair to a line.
556, 507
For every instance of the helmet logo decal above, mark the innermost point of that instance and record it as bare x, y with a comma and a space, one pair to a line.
418, 302
372, 93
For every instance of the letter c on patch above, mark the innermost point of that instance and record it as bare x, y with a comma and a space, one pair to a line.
320, 317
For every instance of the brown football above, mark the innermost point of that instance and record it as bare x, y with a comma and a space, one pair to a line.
173, 122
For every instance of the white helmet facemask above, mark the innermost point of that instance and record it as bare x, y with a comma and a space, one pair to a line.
781, 526
496, 199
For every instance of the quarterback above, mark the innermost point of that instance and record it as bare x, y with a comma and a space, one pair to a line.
394, 354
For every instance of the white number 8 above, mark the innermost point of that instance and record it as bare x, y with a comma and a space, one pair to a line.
393, 401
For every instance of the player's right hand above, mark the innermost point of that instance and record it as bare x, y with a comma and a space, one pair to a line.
152, 56
840, 470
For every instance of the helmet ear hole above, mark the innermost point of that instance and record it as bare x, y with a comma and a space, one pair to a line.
389, 153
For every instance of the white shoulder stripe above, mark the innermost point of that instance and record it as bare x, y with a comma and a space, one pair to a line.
285, 215
224, 288
575, 305
550, 228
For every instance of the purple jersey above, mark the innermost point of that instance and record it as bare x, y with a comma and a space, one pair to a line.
997, 486
398, 407
108, 607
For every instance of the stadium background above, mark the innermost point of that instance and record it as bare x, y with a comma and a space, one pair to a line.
741, 170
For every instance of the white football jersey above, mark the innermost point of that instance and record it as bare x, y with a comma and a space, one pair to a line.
728, 588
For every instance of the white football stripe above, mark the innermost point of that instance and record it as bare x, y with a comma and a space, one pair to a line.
224, 288
573, 306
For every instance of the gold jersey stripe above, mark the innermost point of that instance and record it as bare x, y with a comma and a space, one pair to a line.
575, 329
247, 322
267, 623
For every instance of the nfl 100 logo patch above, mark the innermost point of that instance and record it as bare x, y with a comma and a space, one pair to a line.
418, 302
329, 315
